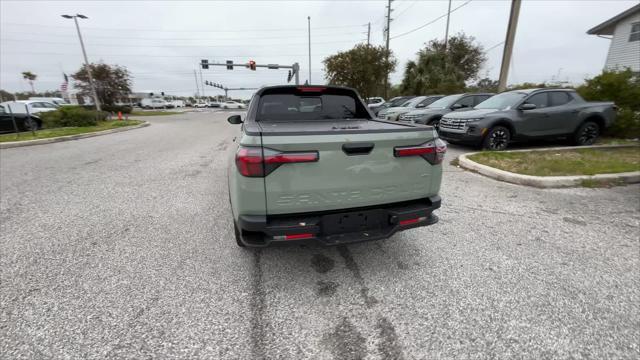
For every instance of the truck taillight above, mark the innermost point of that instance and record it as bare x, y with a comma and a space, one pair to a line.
432, 151
258, 162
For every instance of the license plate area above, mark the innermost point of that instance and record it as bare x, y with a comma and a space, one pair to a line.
354, 222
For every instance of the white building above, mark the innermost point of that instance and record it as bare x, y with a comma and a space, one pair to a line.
624, 32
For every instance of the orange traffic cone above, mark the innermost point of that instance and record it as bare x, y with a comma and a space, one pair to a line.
119, 115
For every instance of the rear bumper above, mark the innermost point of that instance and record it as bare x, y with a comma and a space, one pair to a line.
339, 227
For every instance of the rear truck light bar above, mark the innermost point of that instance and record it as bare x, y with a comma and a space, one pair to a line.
260, 162
432, 151
311, 88
294, 236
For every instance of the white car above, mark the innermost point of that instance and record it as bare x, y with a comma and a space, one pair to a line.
233, 105
53, 100
200, 105
35, 106
374, 101
151, 103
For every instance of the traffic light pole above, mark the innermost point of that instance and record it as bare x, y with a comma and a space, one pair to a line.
295, 67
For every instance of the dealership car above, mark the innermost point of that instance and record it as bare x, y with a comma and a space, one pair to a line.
419, 102
229, 104
32, 106
529, 114
432, 114
23, 121
311, 164
396, 101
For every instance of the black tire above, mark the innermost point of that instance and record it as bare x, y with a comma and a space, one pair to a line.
587, 134
31, 124
497, 139
237, 235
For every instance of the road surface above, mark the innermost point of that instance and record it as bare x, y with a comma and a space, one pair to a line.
121, 246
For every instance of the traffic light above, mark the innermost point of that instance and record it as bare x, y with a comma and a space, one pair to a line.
206, 82
289, 76
252, 65
229, 64
204, 63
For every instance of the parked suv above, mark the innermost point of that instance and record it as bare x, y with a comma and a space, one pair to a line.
418, 102
432, 114
529, 114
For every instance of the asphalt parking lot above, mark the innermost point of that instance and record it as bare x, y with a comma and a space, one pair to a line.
121, 246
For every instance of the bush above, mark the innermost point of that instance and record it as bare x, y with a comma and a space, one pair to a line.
72, 116
125, 109
623, 88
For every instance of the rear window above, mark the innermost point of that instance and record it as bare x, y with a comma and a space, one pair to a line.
309, 106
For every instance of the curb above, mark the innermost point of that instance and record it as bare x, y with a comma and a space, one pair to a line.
13, 144
548, 181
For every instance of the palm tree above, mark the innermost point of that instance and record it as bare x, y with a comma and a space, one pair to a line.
30, 77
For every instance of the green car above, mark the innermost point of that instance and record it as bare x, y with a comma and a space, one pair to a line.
311, 163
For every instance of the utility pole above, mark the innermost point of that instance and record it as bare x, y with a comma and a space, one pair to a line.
388, 30
508, 44
368, 34
86, 60
202, 84
197, 87
309, 27
446, 33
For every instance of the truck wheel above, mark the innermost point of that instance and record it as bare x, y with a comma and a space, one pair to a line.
497, 139
587, 133
237, 234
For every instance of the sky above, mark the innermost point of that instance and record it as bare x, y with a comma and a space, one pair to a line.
162, 42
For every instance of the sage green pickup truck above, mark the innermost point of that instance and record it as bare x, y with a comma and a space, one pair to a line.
311, 163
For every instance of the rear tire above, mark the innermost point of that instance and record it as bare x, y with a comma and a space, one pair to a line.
237, 235
587, 134
497, 139
31, 124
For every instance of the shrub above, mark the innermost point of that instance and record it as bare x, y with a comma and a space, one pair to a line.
70, 116
623, 88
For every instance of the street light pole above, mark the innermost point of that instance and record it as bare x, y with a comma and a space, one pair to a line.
309, 28
508, 45
86, 60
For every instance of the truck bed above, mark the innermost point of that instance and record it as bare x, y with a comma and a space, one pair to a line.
328, 127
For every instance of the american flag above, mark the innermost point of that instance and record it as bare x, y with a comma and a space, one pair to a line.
65, 83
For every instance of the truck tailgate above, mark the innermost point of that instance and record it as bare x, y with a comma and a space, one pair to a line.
356, 167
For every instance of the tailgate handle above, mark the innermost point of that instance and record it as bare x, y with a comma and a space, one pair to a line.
357, 148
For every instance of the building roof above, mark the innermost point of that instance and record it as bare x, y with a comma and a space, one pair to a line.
607, 27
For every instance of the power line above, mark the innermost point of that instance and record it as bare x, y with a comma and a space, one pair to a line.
176, 45
406, 8
189, 38
188, 31
160, 56
430, 22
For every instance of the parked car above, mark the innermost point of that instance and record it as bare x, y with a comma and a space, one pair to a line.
396, 101
200, 105
432, 114
23, 121
213, 104
328, 173
529, 114
374, 101
154, 103
34, 106
229, 104
53, 100
178, 103
419, 102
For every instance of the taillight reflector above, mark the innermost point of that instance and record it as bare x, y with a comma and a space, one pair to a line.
412, 221
411, 151
432, 151
298, 236
283, 158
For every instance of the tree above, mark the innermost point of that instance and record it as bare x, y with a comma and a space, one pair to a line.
484, 85
443, 70
363, 68
621, 87
30, 77
112, 82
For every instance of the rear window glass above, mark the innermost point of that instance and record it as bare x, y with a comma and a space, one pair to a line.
287, 107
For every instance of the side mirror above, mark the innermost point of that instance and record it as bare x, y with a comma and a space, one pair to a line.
527, 106
457, 106
234, 119
420, 106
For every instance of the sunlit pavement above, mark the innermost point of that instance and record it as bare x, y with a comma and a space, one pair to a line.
121, 246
